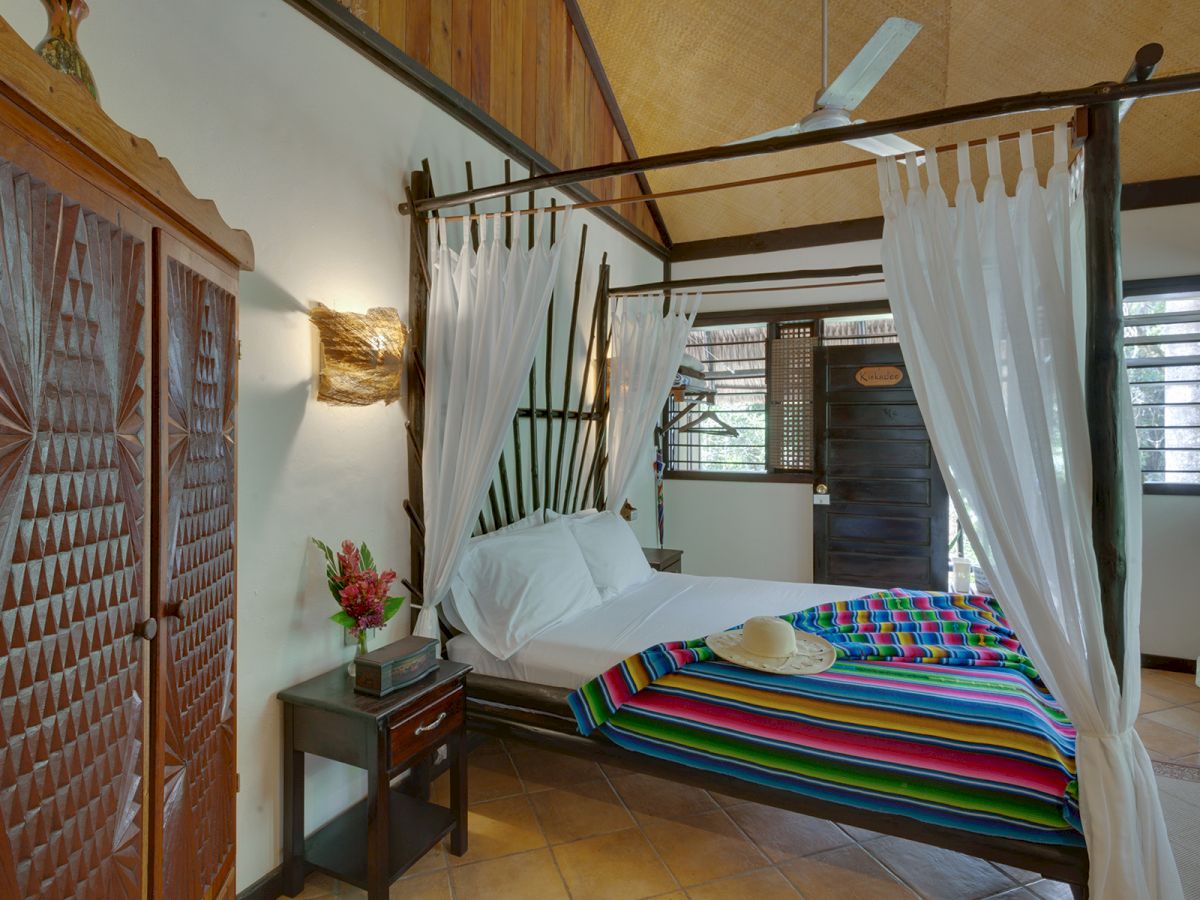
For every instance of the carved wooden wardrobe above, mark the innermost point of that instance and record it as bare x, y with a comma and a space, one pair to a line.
118, 399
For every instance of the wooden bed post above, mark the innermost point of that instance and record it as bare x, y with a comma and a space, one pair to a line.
420, 187
1104, 355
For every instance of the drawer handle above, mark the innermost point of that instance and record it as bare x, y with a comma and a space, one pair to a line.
421, 729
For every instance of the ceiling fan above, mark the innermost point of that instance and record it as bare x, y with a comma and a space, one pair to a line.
835, 101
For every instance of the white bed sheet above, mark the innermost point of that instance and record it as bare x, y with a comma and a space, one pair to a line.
666, 607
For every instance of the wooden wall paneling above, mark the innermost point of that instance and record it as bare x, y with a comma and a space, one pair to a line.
438, 24
392, 16
194, 769
420, 36
521, 65
542, 124
529, 44
460, 47
73, 495
480, 41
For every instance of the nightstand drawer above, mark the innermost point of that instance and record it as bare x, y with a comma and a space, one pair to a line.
425, 728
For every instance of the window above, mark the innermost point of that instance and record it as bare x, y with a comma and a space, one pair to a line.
717, 418
1162, 352
744, 407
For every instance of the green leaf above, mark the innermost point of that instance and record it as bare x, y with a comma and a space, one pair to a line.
391, 606
329, 555
341, 617
367, 561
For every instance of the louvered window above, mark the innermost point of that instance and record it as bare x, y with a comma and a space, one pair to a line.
790, 397
1162, 352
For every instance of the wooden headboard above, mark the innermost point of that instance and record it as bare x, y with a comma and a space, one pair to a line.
556, 456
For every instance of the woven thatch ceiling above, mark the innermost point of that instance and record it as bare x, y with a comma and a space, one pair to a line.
689, 73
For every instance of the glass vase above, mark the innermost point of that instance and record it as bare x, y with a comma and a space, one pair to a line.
360, 650
60, 48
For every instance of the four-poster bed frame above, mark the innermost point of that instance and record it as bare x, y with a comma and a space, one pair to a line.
538, 713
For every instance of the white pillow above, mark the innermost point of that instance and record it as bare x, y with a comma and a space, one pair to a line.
612, 552
512, 587
590, 512
449, 608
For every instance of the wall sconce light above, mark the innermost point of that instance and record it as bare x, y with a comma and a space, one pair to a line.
362, 355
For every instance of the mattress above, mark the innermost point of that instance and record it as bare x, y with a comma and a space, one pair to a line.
666, 607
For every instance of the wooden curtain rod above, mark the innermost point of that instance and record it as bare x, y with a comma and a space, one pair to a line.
985, 109
726, 185
792, 275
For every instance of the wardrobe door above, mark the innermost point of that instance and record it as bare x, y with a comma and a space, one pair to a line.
73, 496
195, 406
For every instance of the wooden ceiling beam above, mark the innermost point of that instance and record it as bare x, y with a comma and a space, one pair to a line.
1139, 195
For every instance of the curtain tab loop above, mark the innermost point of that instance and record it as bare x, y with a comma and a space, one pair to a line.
912, 172
993, 158
964, 163
1060, 144
1025, 141
933, 175
881, 167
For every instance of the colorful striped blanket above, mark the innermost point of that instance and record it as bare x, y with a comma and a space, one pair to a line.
932, 711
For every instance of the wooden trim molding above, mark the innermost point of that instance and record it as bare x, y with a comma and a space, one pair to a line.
748, 477
1168, 663
1163, 192
340, 22
796, 238
65, 106
1141, 195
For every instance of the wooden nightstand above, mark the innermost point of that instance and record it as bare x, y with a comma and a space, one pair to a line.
664, 560
385, 736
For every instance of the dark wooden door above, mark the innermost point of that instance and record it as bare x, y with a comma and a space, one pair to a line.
74, 271
194, 775
886, 521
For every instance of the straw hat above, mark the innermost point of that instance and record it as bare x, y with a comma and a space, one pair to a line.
772, 645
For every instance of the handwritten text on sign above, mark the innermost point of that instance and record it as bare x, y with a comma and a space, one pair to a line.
879, 376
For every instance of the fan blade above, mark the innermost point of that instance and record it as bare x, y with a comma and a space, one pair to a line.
870, 65
886, 145
794, 128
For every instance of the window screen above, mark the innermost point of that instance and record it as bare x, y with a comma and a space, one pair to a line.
731, 396
1162, 353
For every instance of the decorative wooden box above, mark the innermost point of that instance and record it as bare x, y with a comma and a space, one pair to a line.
397, 665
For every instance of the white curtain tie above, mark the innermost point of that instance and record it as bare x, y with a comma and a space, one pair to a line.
1105, 736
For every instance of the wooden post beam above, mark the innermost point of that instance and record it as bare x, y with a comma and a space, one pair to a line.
1103, 368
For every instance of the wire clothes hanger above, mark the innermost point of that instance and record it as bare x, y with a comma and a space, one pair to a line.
719, 427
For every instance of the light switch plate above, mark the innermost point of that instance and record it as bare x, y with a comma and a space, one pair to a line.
820, 499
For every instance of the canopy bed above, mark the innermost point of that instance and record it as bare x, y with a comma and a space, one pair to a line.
1080, 523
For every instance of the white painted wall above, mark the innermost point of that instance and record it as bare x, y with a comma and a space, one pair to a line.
304, 143
1155, 243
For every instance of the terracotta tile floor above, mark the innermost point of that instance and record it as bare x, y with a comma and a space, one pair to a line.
545, 826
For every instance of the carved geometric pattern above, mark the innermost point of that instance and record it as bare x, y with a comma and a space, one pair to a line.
198, 780
72, 473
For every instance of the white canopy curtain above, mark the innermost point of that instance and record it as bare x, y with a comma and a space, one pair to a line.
986, 308
647, 347
487, 309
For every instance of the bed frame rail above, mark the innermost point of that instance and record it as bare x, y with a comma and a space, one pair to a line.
539, 715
